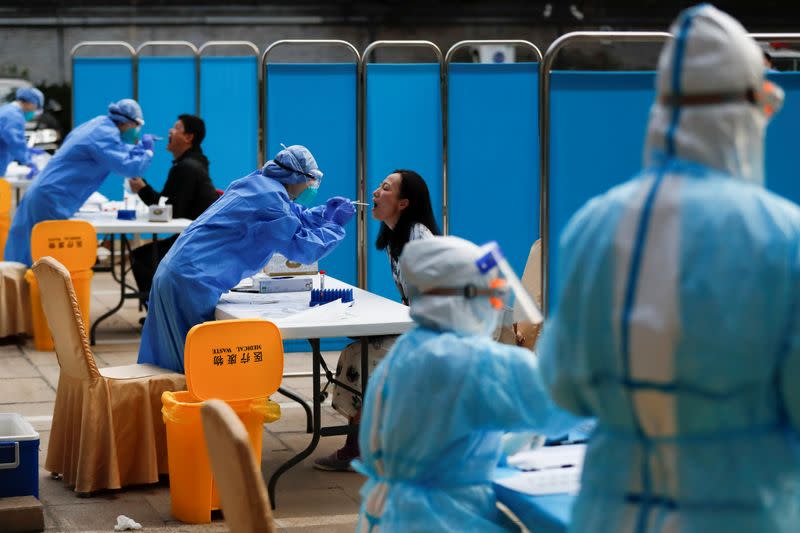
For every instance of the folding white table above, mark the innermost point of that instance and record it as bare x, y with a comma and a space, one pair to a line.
106, 222
370, 315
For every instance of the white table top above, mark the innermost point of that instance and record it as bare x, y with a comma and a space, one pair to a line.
18, 182
369, 315
107, 222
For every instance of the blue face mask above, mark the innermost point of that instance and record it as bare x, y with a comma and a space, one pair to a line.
29, 115
131, 136
306, 197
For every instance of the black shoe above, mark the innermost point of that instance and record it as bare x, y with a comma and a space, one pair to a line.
332, 463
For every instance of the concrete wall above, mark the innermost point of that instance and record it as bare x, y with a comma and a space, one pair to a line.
45, 51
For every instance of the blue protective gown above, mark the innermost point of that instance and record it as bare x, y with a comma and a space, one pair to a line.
429, 455
677, 326
233, 239
13, 146
89, 154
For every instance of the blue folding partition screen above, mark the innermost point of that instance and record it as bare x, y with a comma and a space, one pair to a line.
782, 135
229, 107
315, 105
597, 129
96, 82
493, 155
167, 88
403, 131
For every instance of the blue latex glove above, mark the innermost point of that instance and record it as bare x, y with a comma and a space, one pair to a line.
33, 173
339, 210
35, 151
148, 141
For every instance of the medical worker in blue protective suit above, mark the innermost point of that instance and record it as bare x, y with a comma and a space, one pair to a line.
429, 456
105, 144
677, 322
13, 146
234, 238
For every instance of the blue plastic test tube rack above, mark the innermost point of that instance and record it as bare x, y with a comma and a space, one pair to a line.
323, 296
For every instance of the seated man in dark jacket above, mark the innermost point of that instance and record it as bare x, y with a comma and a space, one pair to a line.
188, 189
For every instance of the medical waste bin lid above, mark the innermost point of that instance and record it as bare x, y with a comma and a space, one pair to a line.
234, 360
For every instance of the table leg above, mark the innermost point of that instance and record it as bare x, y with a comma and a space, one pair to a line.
302, 402
113, 272
127, 244
273, 481
154, 259
364, 368
93, 334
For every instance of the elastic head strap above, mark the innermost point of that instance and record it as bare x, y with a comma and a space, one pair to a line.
467, 291
290, 169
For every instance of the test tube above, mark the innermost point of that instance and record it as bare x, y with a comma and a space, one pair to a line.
322, 280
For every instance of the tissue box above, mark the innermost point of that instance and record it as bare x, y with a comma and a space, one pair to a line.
19, 457
158, 213
279, 265
284, 284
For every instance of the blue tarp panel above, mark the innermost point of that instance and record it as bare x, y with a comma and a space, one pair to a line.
315, 105
96, 82
597, 128
229, 107
493, 155
782, 135
404, 130
167, 88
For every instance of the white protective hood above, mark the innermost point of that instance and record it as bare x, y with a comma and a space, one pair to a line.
447, 262
713, 55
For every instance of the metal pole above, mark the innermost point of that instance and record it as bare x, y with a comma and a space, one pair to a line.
263, 70
447, 60
247, 44
544, 125
361, 234
196, 54
362, 194
83, 44
785, 37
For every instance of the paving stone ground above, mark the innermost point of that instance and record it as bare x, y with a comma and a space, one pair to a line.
308, 500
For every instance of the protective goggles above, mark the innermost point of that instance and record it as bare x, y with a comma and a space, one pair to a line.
769, 98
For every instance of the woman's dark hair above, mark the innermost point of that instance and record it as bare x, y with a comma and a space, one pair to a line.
419, 211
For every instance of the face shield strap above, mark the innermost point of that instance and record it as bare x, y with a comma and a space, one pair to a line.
768, 98
130, 118
468, 291
496, 293
290, 169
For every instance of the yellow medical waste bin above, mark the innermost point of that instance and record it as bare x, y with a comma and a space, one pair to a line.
42, 337
239, 361
5, 214
73, 243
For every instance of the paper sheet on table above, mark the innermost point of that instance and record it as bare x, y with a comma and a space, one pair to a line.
543, 482
330, 312
549, 457
248, 298
267, 306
